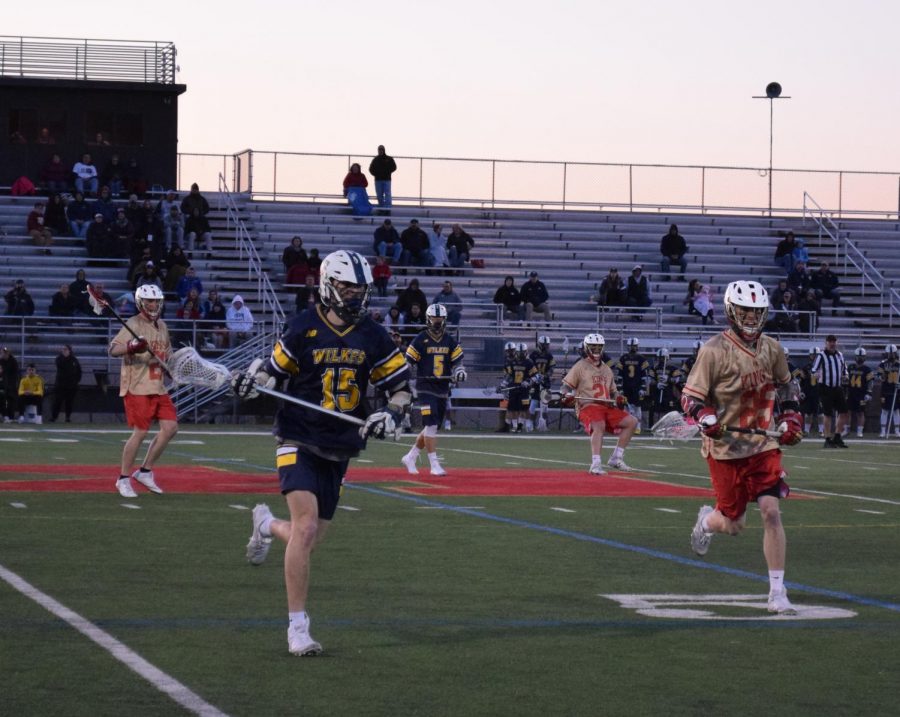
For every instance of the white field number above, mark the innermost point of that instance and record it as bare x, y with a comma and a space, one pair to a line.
721, 607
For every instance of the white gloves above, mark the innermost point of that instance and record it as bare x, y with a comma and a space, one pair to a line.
244, 383
459, 374
382, 424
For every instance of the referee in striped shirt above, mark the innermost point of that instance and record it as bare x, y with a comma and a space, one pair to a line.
832, 372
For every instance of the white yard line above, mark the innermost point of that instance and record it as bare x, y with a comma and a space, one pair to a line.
165, 683
562, 510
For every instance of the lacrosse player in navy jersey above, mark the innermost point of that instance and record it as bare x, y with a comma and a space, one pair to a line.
518, 374
861, 379
327, 356
632, 369
544, 363
437, 357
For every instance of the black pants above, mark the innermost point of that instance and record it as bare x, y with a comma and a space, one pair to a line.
64, 397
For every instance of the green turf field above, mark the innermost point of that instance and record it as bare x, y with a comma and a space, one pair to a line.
430, 600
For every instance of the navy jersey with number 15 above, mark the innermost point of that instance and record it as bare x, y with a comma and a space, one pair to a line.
332, 367
434, 360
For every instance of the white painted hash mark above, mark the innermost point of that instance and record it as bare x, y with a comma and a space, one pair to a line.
562, 510
238, 507
349, 507
871, 512
130, 506
160, 680
667, 510
18, 505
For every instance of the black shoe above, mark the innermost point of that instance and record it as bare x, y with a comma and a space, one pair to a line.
829, 443
838, 442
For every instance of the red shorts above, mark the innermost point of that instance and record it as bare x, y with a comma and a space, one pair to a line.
140, 411
599, 412
738, 482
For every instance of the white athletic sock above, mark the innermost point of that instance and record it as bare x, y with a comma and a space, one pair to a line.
821, 428
596, 459
298, 619
617, 453
529, 425
776, 581
432, 458
413, 452
265, 527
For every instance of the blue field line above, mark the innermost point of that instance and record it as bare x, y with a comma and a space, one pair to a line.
649, 552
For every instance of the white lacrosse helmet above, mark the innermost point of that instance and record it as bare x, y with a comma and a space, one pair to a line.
149, 292
350, 301
813, 350
593, 347
754, 299
436, 319
543, 343
509, 348
860, 352
521, 349
633, 344
662, 353
891, 350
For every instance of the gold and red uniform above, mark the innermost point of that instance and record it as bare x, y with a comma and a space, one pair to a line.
596, 381
142, 376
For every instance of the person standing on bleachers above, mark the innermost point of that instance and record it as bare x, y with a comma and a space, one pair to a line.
381, 168
40, 233
535, 297
673, 248
386, 242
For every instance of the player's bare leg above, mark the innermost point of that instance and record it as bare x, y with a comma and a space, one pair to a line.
627, 426
167, 431
597, 429
130, 450
775, 551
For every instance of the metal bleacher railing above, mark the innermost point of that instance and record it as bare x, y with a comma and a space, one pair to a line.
871, 278
83, 59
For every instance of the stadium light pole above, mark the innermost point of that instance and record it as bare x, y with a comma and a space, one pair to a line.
773, 92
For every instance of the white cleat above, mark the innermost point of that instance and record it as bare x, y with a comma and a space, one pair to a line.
700, 539
448, 426
258, 546
437, 469
596, 469
410, 464
882, 435
779, 603
300, 642
146, 480
618, 464
123, 485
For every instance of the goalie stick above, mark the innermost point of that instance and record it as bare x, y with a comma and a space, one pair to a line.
674, 426
98, 304
187, 366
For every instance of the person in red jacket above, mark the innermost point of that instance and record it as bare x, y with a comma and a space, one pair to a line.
41, 235
355, 178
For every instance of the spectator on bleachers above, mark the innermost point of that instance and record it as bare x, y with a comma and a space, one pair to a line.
40, 233
673, 248
535, 297
381, 168
825, 282
239, 320
411, 295
176, 264
65, 387
173, 227
637, 292
314, 261
113, 176
213, 311
451, 301
775, 294
138, 260
45, 137
393, 319
386, 242
134, 178
437, 246
511, 298
381, 275
18, 300
63, 303
150, 225
88, 309
355, 178
194, 200
134, 213
784, 253
611, 291
125, 305
186, 315
10, 379
122, 233
99, 140
79, 214
105, 205
415, 246
293, 253
692, 291
784, 316
31, 393
190, 281
800, 252
78, 289
808, 303
85, 174
296, 275
459, 246
800, 279
99, 238
7, 403
197, 225
413, 321
307, 295
148, 276
55, 175
703, 303
55, 215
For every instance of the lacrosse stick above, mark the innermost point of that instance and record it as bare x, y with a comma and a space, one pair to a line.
556, 396
674, 426
187, 366
98, 304
490, 390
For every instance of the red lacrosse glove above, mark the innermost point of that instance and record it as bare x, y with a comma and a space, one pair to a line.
137, 346
621, 402
793, 428
709, 423
567, 400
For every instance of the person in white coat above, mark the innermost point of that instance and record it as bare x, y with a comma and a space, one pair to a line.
238, 320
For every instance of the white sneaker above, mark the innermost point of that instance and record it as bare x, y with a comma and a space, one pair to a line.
146, 480
7, 419
258, 546
448, 426
779, 603
300, 642
700, 539
21, 419
882, 435
618, 464
410, 464
39, 420
437, 469
596, 469
123, 485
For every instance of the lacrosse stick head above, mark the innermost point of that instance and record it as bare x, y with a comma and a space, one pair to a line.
187, 366
674, 426
96, 300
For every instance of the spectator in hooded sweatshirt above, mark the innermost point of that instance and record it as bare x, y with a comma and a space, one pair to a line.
238, 320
